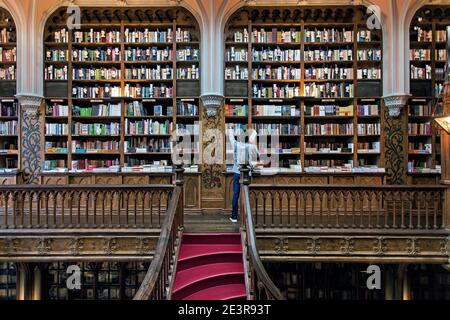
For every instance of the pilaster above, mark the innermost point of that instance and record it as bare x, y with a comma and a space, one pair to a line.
396, 137
31, 136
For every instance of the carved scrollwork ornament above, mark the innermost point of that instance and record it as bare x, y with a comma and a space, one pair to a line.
395, 103
212, 103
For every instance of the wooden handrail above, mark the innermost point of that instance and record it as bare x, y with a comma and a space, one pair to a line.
158, 281
261, 285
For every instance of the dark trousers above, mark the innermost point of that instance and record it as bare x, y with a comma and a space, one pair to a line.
236, 191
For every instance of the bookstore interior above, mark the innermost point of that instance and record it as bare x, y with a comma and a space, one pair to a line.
119, 97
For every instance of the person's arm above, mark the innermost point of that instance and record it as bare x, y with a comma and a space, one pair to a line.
231, 137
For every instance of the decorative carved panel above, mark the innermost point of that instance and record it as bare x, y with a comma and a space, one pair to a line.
108, 179
54, 180
138, 179
191, 192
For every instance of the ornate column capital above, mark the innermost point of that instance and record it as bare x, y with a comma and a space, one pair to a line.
395, 103
212, 103
29, 103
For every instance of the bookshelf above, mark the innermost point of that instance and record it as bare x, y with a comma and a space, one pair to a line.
311, 79
427, 75
9, 128
118, 89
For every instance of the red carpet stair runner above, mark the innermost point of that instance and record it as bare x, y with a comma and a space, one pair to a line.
210, 267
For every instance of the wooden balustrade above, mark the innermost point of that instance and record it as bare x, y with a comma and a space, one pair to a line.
348, 206
79, 206
157, 284
258, 283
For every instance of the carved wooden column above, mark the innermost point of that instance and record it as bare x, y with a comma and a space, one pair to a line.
31, 137
395, 138
24, 281
212, 137
445, 157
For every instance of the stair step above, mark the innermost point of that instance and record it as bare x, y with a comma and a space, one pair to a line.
209, 259
193, 251
182, 292
224, 292
196, 274
212, 238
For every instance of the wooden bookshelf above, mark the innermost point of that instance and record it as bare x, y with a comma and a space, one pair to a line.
331, 79
9, 123
427, 77
150, 62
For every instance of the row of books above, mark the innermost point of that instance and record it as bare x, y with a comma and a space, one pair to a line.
147, 36
421, 73
368, 147
328, 73
56, 147
96, 73
419, 148
236, 110
236, 73
276, 91
276, 110
8, 73
369, 74
419, 128
441, 55
147, 127
420, 54
329, 110
276, 54
57, 55
94, 36
97, 129
329, 54
8, 128
146, 73
236, 54
56, 129
328, 129
188, 54
189, 73
148, 54
417, 166
7, 36
276, 128
241, 36
421, 110
57, 110
137, 109
111, 54
8, 55
368, 54
95, 146
95, 165
139, 145
99, 110
97, 92
327, 147
280, 73
439, 73
368, 129
152, 91
186, 109
188, 129
61, 36
347, 164
276, 36
424, 35
329, 35
368, 110
329, 90
55, 73
8, 109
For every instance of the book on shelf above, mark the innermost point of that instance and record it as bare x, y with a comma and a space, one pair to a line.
419, 128
276, 128
328, 35
56, 147
157, 72
186, 109
241, 36
55, 73
98, 129
98, 92
421, 73
98, 110
328, 129
276, 110
236, 54
137, 145
276, 36
148, 54
369, 54
190, 73
8, 55
95, 146
364, 36
8, 128
279, 73
86, 165
97, 36
8, 109
275, 55
420, 148
441, 36
369, 147
188, 54
367, 129
441, 55
61, 36
150, 91
325, 55
110, 54
54, 166
56, 129
276, 91
8, 73
236, 73
329, 73
424, 35
369, 73
328, 110
420, 54
236, 110
147, 127
148, 36
329, 90
95, 73
182, 35
368, 110
328, 147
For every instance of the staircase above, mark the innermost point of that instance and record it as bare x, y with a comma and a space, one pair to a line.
210, 267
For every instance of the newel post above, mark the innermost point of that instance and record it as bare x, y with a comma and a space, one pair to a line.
179, 181
244, 180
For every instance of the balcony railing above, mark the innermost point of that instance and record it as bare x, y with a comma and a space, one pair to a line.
99, 206
348, 206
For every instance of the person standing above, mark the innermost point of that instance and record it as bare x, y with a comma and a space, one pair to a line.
242, 151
